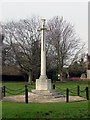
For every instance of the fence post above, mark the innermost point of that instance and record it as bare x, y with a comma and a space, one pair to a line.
53, 86
67, 95
78, 90
87, 93
26, 94
1, 93
4, 90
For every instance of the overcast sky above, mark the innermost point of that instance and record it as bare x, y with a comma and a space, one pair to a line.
74, 12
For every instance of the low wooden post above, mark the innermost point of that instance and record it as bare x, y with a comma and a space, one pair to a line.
67, 95
78, 90
53, 86
4, 91
87, 93
26, 94
1, 93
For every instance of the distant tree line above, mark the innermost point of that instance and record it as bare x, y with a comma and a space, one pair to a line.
21, 46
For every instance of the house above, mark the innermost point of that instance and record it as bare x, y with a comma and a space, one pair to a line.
12, 73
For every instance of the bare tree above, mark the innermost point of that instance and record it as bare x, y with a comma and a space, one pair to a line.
63, 42
21, 36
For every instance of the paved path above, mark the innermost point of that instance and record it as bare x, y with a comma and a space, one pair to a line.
33, 99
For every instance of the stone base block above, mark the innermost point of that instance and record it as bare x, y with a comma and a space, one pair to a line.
43, 83
88, 74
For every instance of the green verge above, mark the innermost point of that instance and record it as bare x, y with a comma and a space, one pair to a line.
0, 102
45, 110
61, 86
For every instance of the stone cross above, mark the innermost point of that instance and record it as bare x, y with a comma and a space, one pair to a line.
43, 83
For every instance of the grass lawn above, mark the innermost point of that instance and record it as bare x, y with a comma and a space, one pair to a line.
46, 110
16, 87
60, 87
72, 85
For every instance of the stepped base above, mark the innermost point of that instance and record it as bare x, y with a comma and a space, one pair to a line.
46, 94
44, 89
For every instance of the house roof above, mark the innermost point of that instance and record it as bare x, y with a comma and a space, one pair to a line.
10, 70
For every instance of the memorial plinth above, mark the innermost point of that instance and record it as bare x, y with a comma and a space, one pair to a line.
43, 83
88, 74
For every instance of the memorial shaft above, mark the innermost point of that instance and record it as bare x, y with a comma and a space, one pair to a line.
43, 52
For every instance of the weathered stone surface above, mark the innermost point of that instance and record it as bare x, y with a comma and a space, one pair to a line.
46, 94
88, 74
44, 89
43, 83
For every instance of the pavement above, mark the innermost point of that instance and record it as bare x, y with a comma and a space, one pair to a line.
35, 99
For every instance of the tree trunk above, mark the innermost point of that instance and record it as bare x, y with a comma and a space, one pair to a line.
61, 77
30, 78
